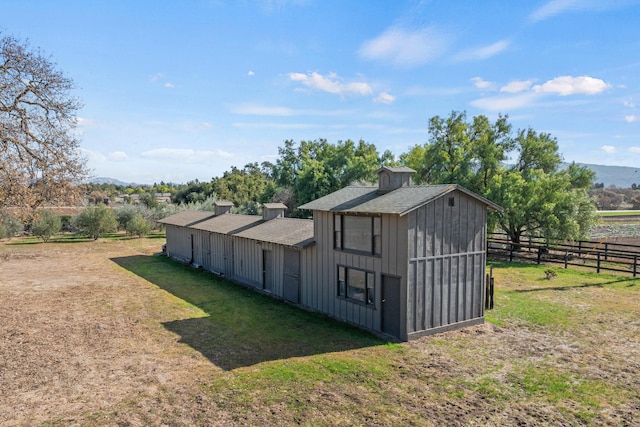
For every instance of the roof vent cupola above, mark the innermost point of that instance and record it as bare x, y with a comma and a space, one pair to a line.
273, 210
391, 178
221, 207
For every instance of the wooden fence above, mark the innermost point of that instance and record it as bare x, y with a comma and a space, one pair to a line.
598, 255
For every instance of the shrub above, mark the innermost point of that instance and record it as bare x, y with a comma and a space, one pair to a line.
95, 221
46, 225
138, 225
10, 226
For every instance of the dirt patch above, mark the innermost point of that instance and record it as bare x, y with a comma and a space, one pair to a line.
75, 345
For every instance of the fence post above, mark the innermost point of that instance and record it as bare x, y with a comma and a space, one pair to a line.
566, 258
606, 252
539, 254
491, 289
598, 267
486, 293
635, 265
510, 252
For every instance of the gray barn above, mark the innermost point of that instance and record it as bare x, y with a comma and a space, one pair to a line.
396, 259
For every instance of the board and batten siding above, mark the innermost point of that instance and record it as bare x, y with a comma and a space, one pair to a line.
320, 283
179, 242
447, 256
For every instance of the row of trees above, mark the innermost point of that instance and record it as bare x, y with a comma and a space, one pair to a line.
40, 161
520, 171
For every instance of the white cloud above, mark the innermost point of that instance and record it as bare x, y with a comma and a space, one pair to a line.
93, 156
85, 123
506, 103
629, 104
631, 118
169, 85
569, 85
118, 156
552, 8
251, 73
405, 48
634, 149
516, 86
331, 84
207, 125
185, 155
484, 52
480, 83
384, 98
556, 7
262, 110
608, 149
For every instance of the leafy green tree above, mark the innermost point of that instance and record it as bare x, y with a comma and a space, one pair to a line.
241, 186
46, 225
10, 226
138, 225
313, 169
193, 191
94, 221
538, 197
149, 200
469, 154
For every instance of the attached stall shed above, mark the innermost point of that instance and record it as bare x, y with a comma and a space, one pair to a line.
396, 259
269, 252
403, 260
181, 244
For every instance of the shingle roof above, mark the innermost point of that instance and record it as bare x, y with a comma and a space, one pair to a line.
399, 201
228, 223
284, 231
186, 218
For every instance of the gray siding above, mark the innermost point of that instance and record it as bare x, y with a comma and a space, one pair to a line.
319, 290
179, 242
446, 247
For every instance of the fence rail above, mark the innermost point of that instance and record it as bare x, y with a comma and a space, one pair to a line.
599, 255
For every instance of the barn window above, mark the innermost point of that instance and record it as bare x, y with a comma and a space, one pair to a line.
360, 234
452, 201
356, 285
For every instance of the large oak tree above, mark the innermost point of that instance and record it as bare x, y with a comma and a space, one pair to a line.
523, 173
40, 159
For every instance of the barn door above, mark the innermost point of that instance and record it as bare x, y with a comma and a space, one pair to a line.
291, 279
391, 305
206, 251
267, 270
228, 257
191, 259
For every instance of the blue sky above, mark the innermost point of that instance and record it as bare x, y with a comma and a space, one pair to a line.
179, 90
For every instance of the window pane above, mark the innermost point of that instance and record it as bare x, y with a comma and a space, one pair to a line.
337, 240
377, 226
356, 287
371, 291
341, 282
357, 233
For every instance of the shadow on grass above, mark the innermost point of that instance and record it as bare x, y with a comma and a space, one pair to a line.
582, 285
238, 326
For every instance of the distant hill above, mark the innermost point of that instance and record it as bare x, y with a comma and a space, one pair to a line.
103, 180
620, 176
